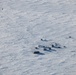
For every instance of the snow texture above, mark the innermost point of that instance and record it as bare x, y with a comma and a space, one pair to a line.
31, 26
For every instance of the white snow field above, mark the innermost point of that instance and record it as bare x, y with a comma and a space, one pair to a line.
27, 24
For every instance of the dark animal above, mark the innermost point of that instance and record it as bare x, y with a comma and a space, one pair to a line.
43, 40
41, 46
56, 45
39, 53
36, 48
47, 48
70, 37
36, 52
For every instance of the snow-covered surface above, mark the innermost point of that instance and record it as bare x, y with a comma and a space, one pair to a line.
23, 23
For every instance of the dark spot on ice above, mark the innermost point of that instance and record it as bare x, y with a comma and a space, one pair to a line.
70, 37
36, 48
64, 46
36, 52
47, 48
41, 46
56, 45
2, 8
43, 40
39, 53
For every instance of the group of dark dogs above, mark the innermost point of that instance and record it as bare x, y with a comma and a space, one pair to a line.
47, 48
